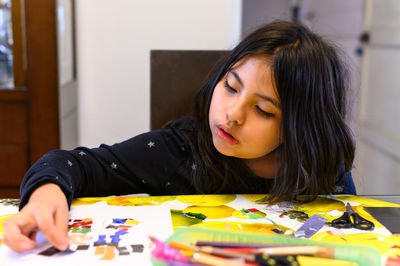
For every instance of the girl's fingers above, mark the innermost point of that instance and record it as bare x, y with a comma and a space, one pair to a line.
40, 213
17, 230
19, 243
57, 238
33, 235
61, 220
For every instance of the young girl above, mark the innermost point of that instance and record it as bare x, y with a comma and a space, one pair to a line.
270, 120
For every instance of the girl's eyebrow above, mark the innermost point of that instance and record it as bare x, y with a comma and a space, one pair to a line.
233, 72
267, 98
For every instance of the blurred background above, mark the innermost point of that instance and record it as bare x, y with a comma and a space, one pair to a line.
77, 72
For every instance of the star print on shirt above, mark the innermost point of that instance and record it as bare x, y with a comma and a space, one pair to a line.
114, 166
82, 153
151, 144
69, 163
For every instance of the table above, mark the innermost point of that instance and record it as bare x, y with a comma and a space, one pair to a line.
226, 212
387, 198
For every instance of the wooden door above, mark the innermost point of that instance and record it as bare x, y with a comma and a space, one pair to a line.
29, 110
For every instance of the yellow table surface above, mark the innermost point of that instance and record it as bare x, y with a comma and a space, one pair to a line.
225, 212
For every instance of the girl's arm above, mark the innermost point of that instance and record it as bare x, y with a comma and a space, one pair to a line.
143, 164
151, 163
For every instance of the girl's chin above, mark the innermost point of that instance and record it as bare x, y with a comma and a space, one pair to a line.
230, 153
227, 152
223, 150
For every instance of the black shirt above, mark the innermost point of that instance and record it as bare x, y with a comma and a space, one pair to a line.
159, 162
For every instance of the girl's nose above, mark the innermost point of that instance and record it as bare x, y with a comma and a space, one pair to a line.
236, 114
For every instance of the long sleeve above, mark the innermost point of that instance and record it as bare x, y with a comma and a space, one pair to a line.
345, 185
349, 187
153, 163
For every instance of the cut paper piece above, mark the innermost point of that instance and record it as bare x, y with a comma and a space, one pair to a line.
119, 221
137, 248
288, 232
122, 251
335, 231
106, 252
286, 204
251, 213
82, 247
283, 206
80, 225
180, 221
335, 213
293, 214
254, 213
79, 239
388, 216
131, 221
276, 208
124, 242
49, 252
310, 226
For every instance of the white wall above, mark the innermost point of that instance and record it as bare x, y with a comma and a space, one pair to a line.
258, 12
113, 43
378, 153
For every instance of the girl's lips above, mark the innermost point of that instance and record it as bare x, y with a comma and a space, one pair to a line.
226, 136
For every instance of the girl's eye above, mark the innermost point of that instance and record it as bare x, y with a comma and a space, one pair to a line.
228, 87
264, 113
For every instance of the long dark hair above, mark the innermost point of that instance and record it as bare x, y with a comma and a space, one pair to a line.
311, 81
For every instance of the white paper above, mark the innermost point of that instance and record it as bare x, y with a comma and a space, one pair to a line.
335, 213
150, 220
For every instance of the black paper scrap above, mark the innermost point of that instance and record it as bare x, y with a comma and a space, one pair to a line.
387, 216
49, 252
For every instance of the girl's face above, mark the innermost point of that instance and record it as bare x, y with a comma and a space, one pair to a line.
245, 113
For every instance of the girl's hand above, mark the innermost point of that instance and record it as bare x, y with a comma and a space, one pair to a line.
47, 211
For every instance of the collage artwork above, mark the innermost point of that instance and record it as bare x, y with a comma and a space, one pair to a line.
115, 230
